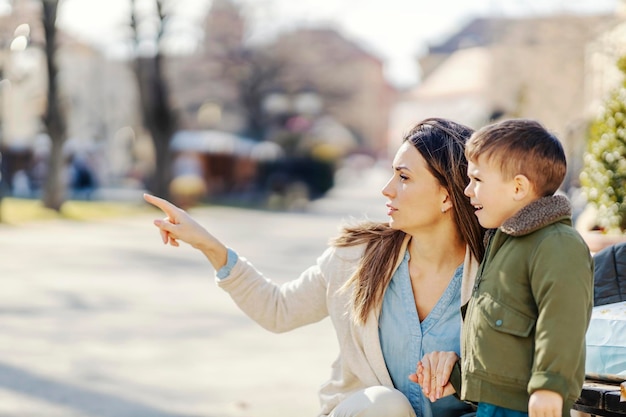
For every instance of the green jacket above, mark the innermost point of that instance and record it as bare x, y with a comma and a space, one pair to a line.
524, 326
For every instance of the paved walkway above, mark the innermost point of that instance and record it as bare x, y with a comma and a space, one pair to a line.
100, 319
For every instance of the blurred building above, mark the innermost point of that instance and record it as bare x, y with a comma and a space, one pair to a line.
226, 83
556, 69
23, 83
505, 67
311, 92
456, 90
349, 79
602, 54
204, 85
97, 96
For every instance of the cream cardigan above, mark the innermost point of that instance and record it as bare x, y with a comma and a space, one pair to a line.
310, 298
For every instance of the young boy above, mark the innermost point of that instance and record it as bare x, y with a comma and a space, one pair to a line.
523, 337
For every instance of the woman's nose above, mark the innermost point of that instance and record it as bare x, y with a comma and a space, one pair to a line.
387, 189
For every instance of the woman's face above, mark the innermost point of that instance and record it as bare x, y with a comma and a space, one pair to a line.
415, 197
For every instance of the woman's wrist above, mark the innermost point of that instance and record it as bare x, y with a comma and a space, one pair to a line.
217, 254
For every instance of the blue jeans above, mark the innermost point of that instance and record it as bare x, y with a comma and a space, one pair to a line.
490, 410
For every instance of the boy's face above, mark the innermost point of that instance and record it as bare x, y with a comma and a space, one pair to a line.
491, 195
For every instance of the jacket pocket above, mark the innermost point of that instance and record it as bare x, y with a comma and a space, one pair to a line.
503, 318
501, 343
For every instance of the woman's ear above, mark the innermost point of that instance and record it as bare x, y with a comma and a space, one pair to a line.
446, 204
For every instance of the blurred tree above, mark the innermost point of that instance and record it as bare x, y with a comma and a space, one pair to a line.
54, 120
158, 117
226, 73
258, 74
3, 188
603, 178
2, 181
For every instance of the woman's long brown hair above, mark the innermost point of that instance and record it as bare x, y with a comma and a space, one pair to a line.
441, 143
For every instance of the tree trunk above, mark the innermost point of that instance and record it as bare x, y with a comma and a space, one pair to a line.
158, 117
54, 186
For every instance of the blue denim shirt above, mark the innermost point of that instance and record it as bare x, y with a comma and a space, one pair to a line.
231, 260
404, 340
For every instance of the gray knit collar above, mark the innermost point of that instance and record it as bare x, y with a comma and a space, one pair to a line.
539, 213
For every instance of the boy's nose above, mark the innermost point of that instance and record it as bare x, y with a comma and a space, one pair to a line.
467, 190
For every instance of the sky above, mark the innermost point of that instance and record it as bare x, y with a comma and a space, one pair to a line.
397, 31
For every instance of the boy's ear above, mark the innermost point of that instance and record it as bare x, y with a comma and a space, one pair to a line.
523, 187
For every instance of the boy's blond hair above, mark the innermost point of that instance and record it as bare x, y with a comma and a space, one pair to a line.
521, 146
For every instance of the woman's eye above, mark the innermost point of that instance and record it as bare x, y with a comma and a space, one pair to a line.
403, 177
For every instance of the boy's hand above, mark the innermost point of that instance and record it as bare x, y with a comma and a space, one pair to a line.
544, 403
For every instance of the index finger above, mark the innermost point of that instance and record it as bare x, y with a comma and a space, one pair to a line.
167, 207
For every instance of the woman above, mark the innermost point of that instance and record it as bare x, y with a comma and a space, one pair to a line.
392, 290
